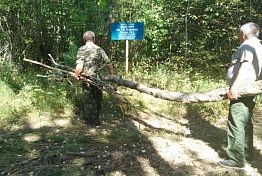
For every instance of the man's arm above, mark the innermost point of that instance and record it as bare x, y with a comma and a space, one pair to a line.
110, 69
78, 70
107, 61
233, 90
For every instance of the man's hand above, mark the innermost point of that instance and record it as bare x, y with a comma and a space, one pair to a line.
76, 76
110, 69
232, 93
78, 70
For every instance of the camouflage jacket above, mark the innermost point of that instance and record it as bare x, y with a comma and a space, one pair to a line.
93, 57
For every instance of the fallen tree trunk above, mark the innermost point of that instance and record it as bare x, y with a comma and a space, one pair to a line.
219, 94
247, 89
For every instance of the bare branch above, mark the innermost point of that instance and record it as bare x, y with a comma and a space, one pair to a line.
59, 65
98, 83
247, 89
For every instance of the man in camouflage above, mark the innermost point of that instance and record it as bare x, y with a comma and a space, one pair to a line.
90, 60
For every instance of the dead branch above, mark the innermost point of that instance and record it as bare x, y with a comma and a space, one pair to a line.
247, 89
49, 67
59, 65
92, 154
98, 83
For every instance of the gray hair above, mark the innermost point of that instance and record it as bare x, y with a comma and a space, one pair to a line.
89, 36
250, 29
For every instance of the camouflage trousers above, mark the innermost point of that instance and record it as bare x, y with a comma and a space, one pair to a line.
92, 103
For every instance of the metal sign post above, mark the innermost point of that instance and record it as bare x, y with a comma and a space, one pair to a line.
126, 56
127, 31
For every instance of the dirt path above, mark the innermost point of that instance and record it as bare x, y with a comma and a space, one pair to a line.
141, 143
200, 146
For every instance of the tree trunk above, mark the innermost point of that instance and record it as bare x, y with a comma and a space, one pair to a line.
247, 89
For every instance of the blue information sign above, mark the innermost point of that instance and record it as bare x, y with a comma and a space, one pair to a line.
127, 31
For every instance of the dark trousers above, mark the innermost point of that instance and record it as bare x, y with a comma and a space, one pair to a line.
92, 103
240, 129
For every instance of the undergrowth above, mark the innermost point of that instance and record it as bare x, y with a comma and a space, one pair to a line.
23, 93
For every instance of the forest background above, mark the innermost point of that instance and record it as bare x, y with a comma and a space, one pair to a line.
179, 34
187, 47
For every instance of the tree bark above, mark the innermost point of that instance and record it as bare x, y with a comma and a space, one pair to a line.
247, 89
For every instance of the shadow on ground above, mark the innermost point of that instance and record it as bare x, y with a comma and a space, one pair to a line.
216, 137
115, 148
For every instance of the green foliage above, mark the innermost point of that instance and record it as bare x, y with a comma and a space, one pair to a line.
189, 34
69, 57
